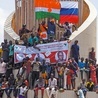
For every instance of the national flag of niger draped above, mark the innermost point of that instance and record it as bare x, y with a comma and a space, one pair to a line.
47, 8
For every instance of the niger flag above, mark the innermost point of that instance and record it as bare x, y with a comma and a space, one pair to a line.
47, 8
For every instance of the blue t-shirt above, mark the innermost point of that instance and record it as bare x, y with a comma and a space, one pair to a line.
48, 68
75, 51
36, 39
11, 50
31, 40
51, 28
81, 65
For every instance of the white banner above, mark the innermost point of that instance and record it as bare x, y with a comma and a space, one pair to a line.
47, 51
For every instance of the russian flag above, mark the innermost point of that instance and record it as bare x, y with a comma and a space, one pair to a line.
69, 12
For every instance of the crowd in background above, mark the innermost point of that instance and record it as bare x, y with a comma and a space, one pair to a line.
41, 74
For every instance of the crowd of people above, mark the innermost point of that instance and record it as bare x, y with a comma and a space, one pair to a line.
41, 74
46, 33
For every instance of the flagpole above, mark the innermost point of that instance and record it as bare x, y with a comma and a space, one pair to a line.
23, 12
80, 11
31, 14
16, 16
34, 20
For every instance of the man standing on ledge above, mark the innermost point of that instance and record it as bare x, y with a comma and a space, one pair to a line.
75, 51
23, 31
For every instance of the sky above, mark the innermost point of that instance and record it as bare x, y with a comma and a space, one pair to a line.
8, 6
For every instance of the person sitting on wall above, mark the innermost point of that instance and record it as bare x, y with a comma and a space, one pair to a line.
23, 91
39, 86
52, 87
90, 85
79, 93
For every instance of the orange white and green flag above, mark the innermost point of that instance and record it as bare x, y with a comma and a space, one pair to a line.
47, 8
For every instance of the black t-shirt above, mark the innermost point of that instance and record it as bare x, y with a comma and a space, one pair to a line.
23, 31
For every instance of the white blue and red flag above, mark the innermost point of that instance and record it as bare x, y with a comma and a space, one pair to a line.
69, 12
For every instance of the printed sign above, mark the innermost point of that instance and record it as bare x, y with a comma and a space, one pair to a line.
52, 52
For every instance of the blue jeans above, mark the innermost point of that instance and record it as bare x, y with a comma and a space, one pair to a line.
8, 91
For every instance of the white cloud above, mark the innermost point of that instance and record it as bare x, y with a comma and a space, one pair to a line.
2, 19
6, 7
3, 16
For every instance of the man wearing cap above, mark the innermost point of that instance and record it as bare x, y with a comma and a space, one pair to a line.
51, 28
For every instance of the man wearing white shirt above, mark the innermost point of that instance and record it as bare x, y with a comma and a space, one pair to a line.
68, 28
35, 70
23, 91
65, 76
2, 67
52, 87
79, 93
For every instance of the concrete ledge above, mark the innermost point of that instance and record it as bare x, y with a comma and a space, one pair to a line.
8, 31
65, 94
